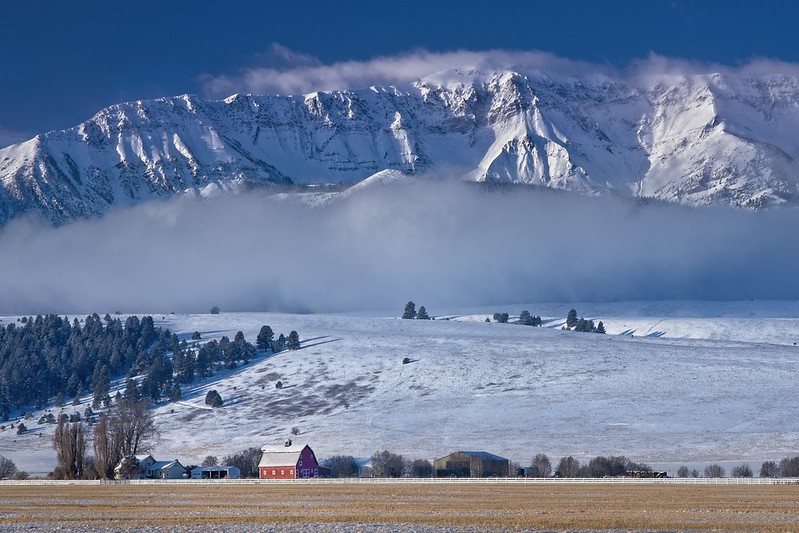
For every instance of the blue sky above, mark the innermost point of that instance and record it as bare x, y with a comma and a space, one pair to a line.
62, 61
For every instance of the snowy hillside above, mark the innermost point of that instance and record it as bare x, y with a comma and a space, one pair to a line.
697, 140
671, 383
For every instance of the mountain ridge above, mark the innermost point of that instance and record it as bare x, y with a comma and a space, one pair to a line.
693, 140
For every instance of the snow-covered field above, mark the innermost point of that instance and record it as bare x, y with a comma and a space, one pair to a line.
671, 383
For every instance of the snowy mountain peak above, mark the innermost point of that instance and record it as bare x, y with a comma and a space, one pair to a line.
692, 139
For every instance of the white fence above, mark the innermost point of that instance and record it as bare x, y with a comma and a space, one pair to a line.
423, 481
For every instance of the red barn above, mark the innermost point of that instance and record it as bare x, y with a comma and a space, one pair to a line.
290, 461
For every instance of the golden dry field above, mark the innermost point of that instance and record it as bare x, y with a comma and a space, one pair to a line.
557, 507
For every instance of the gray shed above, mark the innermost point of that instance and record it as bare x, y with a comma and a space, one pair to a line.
471, 464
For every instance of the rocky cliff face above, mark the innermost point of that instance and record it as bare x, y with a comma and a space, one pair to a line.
695, 140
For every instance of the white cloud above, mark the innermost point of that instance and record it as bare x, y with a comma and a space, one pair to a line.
441, 243
289, 72
309, 75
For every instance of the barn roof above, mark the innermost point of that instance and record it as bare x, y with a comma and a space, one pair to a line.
483, 455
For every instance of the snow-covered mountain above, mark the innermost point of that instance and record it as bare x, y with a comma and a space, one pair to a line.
696, 140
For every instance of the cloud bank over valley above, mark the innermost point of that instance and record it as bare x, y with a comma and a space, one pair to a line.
440, 243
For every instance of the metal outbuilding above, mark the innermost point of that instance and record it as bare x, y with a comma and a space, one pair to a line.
471, 464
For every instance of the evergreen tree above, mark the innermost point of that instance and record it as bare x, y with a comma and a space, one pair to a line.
213, 398
227, 352
175, 395
571, 318
279, 344
502, 318
101, 383
132, 392
264, 339
525, 318
177, 363
186, 371
147, 334
422, 314
74, 386
293, 341
158, 375
243, 350
600, 328
203, 363
410, 311
5, 400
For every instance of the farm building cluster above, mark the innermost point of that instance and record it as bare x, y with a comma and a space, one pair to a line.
147, 467
289, 461
298, 461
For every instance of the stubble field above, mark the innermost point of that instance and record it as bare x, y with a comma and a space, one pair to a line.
406, 507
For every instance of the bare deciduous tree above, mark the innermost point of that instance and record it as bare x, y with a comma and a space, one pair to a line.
342, 466
122, 432
769, 469
387, 464
568, 467
107, 449
714, 470
7, 468
421, 468
69, 442
134, 425
789, 467
246, 461
540, 466
742, 471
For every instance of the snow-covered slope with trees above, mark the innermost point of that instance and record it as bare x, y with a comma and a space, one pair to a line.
670, 383
694, 139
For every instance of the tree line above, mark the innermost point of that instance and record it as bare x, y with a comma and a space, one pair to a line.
575, 323
50, 357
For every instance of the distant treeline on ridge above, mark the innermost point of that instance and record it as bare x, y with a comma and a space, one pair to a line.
49, 356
